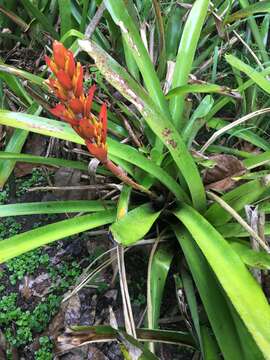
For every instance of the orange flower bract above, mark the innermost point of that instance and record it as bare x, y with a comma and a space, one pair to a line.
74, 106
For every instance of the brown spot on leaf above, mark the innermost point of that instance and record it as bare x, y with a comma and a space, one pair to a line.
166, 132
173, 143
220, 176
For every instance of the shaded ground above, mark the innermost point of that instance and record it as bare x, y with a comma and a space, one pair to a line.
33, 285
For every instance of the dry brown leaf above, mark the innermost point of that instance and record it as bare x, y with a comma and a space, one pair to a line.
95, 354
73, 310
35, 145
219, 177
57, 324
68, 177
246, 146
25, 288
219, 27
39, 287
23, 169
71, 339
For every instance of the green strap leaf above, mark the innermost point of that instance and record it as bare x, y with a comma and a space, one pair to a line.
157, 274
65, 17
197, 120
231, 230
53, 207
159, 123
249, 71
11, 80
265, 207
173, 32
237, 198
29, 240
131, 155
63, 131
211, 349
135, 225
252, 258
224, 101
239, 285
32, 159
256, 33
212, 297
240, 132
200, 88
42, 19
257, 160
259, 7
123, 19
192, 303
185, 56
15, 145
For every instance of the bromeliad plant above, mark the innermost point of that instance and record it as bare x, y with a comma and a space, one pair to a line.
205, 233
75, 108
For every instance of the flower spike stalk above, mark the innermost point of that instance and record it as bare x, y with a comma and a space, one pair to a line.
75, 106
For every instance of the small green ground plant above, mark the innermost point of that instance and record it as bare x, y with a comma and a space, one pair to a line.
45, 350
26, 322
176, 96
21, 323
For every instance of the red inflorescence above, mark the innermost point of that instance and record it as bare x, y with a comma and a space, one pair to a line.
75, 106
